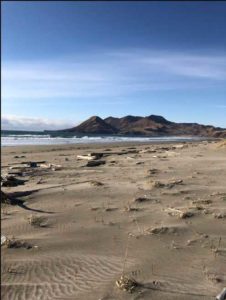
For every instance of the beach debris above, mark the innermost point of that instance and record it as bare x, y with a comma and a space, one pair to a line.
147, 151
110, 208
18, 173
56, 167
96, 183
191, 242
221, 251
205, 201
15, 167
174, 182
37, 221
127, 284
90, 156
200, 207
86, 157
33, 164
93, 163
45, 166
98, 155
3, 239
129, 207
126, 152
161, 230
13, 243
40, 181
163, 148
153, 171
10, 181
186, 214
140, 163
169, 185
53, 167
222, 295
180, 146
219, 215
142, 199
158, 184
178, 212
157, 230
94, 208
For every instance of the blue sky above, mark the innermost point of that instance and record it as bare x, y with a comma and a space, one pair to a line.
63, 62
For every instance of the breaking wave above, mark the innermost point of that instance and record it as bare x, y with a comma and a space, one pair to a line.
48, 139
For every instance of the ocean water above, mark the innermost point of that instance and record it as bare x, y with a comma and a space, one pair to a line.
13, 138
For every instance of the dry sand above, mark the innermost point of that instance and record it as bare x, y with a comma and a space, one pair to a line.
155, 214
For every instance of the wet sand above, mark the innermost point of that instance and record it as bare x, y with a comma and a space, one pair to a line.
154, 213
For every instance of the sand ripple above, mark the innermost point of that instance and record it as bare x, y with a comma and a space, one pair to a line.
56, 277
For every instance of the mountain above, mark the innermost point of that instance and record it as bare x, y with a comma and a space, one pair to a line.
122, 123
94, 125
152, 125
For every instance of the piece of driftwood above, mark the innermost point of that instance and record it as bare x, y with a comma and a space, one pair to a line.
51, 166
91, 156
33, 162
86, 157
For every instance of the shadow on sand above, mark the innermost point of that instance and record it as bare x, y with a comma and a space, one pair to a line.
13, 200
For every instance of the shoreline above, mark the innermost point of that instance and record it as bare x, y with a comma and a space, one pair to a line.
113, 144
32, 140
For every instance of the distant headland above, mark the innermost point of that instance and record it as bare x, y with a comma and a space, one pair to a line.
152, 126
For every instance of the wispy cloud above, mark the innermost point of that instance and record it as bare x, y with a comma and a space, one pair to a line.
111, 74
11, 122
219, 106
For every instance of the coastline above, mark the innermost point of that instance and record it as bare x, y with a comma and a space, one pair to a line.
37, 140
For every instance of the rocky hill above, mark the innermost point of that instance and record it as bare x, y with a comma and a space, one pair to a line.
93, 125
148, 126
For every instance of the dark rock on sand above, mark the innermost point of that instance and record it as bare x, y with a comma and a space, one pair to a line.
9, 181
95, 163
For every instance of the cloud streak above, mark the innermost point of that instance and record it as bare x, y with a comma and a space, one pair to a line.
111, 74
11, 122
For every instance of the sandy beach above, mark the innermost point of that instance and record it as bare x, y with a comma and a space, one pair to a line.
147, 223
